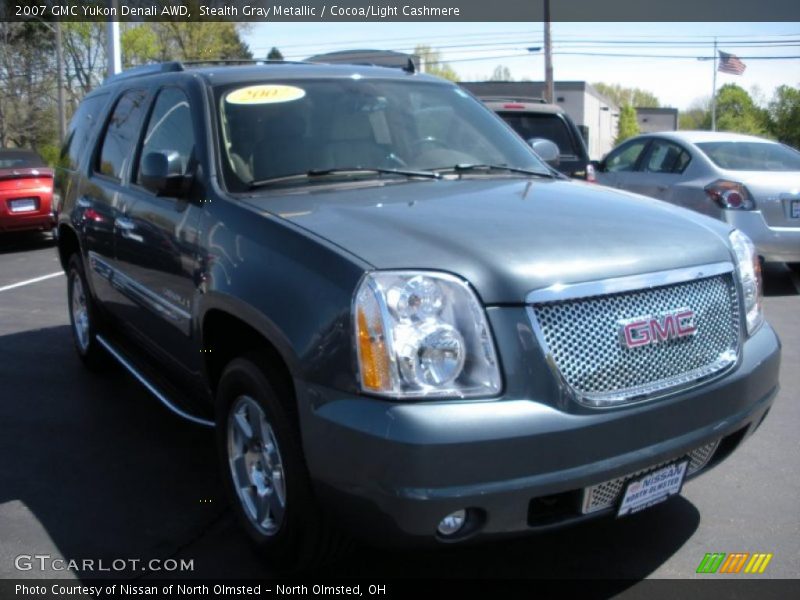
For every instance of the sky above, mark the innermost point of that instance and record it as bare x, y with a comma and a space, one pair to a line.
475, 49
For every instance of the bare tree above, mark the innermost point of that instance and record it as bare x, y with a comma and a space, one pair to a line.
27, 85
85, 57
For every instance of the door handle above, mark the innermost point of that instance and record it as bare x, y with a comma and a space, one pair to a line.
124, 224
662, 188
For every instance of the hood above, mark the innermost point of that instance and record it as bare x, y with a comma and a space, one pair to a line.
506, 236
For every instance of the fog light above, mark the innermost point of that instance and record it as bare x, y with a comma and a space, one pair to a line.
452, 523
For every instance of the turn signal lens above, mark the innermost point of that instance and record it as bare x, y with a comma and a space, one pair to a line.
373, 356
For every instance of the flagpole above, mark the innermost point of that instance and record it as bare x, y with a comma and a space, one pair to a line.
714, 93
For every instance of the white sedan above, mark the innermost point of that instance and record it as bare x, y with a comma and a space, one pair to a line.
750, 182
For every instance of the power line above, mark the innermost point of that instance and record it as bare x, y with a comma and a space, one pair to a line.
562, 38
408, 39
612, 55
589, 44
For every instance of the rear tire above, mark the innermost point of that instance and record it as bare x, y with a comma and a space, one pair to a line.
264, 470
83, 317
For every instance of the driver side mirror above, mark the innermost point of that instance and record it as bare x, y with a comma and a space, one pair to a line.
599, 165
546, 150
162, 173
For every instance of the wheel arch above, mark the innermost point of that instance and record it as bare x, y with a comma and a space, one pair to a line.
68, 244
229, 328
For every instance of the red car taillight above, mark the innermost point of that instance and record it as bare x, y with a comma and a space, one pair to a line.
730, 195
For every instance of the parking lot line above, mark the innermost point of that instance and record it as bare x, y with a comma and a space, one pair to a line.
30, 281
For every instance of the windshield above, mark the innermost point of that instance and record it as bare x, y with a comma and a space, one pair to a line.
752, 156
10, 159
277, 129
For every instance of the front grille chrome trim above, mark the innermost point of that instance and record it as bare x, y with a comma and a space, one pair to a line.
629, 283
652, 389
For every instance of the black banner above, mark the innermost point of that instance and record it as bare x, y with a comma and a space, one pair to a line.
658, 589
401, 10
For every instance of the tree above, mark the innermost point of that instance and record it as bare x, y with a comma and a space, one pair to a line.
140, 45
737, 112
28, 88
621, 96
433, 64
784, 112
628, 125
183, 41
275, 54
501, 73
27, 85
696, 116
84, 57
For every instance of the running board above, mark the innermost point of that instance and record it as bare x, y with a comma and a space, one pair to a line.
150, 386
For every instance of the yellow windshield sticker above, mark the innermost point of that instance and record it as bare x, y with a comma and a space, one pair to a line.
265, 94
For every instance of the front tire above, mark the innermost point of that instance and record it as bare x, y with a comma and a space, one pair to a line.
263, 467
83, 317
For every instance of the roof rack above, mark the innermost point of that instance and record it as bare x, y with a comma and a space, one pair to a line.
176, 66
530, 99
152, 69
409, 66
241, 61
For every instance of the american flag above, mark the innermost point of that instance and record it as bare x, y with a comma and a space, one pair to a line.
730, 63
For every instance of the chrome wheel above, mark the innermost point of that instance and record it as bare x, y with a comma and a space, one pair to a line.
80, 314
256, 465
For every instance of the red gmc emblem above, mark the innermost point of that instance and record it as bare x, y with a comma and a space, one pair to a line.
643, 331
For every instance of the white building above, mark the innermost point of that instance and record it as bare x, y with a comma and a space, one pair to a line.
652, 120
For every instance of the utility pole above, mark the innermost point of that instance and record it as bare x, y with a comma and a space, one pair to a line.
714, 92
62, 116
548, 56
112, 46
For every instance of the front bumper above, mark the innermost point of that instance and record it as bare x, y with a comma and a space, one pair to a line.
774, 244
392, 471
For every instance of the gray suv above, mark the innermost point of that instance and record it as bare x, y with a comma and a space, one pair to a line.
401, 323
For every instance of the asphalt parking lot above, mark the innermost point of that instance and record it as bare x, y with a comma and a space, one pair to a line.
93, 467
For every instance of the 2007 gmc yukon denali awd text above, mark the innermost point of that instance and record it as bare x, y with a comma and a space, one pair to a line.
403, 324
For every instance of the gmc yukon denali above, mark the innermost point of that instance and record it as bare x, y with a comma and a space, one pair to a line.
403, 325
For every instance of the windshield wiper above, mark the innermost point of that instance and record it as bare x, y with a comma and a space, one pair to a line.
314, 173
466, 167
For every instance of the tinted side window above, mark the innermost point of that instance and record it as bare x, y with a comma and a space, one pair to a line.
666, 157
121, 134
170, 128
625, 158
79, 129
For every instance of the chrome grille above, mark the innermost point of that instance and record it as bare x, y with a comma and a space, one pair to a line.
582, 337
606, 495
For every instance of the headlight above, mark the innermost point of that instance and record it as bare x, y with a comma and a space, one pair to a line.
748, 269
423, 334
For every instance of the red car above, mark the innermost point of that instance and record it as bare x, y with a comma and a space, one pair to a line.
26, 192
